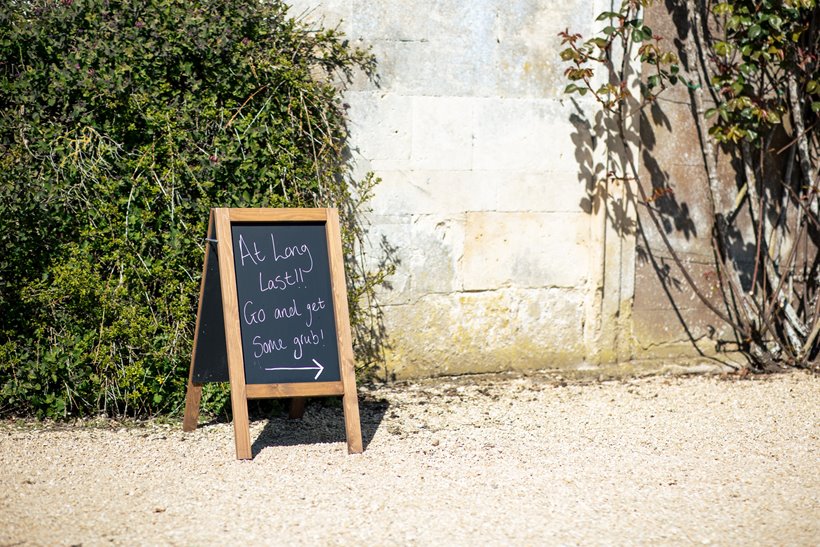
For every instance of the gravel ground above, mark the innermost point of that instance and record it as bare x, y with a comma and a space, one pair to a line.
524, 460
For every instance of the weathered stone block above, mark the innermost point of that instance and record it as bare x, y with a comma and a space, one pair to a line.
544, 191
442, 20
669, 135
425, 250
677, 331
323, 13
509, 329
434, 192
523, 135
381, 125
442, 133
425, 68
524, 61
525, 250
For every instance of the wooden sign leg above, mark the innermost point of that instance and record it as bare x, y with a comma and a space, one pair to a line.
350, 400
353, 429
241, 425
193, 396
193, 393
233, 342
296, 408
350, 404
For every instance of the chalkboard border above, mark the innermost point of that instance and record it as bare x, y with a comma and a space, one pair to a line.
221, 220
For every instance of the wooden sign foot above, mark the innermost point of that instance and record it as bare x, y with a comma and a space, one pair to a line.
296, 408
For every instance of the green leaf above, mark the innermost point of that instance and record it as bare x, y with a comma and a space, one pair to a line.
691, 85
723, 48
754, 31
569, 54
607, 15
600, 42
737, 87
748, 69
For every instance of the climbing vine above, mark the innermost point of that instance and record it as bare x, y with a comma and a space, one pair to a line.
754, 85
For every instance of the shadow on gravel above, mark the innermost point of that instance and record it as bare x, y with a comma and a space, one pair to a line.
323, 422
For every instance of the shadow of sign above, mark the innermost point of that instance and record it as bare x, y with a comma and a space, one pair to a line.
321, 423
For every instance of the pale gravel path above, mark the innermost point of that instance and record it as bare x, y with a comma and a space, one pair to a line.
473, 461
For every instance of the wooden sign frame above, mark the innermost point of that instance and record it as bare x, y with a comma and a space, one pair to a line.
220, 233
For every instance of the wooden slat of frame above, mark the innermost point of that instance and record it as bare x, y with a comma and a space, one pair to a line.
278, 215
296, 409
193, 393
350, 401
233, 341
269, 391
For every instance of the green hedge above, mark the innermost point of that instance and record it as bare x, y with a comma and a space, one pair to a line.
121, 124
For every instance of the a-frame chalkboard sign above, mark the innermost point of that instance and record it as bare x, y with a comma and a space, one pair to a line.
273, 317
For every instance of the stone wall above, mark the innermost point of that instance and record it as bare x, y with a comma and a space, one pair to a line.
506, 258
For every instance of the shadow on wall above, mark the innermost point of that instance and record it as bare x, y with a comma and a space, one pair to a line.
596, 141
370, 337
364, 277
675, 216
667, 174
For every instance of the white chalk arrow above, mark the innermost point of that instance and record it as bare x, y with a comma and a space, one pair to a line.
318, 367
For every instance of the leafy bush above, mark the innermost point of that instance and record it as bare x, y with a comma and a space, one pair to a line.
121, 124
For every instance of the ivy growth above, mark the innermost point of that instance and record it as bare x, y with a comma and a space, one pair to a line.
121, 124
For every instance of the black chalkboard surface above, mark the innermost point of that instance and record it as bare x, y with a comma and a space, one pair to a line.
287, 324
210, 358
